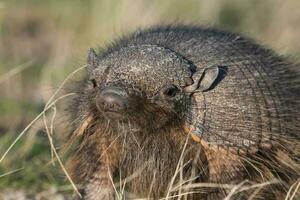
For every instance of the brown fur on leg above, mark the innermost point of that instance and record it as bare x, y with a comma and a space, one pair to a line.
94, 166
100, 185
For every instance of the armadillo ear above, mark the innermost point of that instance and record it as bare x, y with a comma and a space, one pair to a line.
203, 80
209, 76
92, 60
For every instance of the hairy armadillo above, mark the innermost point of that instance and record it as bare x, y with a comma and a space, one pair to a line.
168, 107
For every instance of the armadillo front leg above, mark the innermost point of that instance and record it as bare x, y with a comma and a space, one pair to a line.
100, 185
103, 156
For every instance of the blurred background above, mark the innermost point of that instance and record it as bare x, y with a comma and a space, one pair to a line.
42, 41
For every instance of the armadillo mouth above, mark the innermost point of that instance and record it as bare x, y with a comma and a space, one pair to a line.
113, 115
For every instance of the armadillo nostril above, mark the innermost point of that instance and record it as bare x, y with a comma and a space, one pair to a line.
112, 102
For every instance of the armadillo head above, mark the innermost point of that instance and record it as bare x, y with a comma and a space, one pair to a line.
148, 85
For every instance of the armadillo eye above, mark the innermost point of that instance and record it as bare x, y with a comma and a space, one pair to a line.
171, 91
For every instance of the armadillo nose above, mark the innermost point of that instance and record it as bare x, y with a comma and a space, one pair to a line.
112, 102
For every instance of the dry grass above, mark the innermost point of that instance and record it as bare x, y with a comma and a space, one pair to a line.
49, 128
48, 38
120, 186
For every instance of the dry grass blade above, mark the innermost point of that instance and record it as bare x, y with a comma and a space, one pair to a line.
258, 185
48, 105
11, 172
53, 150
234, 189
19, 136
51, 129
290, 196
114, 186
152, 183
15, 71
204, 185
177, 167
178, 195
62, 84
179, 186
132, 176
295, 191
30, 124
225, 186
254, 194
49, 132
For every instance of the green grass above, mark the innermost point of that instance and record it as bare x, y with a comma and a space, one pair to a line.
32, 160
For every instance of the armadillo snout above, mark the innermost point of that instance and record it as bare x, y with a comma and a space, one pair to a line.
113, 102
